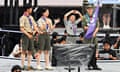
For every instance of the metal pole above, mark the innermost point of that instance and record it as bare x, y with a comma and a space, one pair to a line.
78, 68
114, 15
35, 3
69, 68
35, 12
30, 2
16, 11
6, 1
11, 12
24, 2
3, 44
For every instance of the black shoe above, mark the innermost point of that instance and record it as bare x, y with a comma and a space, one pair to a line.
89, 68
69, 68
96, 68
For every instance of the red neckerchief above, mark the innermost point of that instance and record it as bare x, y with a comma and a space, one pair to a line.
26, 14
90, 18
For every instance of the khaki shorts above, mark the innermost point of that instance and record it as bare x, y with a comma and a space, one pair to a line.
44, 42
27, 44
92, 41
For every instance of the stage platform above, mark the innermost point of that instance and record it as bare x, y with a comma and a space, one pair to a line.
106, 65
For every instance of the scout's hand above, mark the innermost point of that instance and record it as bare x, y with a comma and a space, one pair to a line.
57, 21
34, 32
40, 32
110, 56
30, 36
94, 34
72, 11
77, 12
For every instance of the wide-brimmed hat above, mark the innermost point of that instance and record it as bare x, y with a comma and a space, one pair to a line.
89, 6
86, 4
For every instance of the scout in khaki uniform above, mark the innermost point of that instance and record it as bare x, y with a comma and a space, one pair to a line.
28, 27
45, 27
85, 23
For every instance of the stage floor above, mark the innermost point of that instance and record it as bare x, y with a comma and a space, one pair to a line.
107, 66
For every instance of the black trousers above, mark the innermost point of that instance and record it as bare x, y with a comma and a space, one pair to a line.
93, 61
54, 60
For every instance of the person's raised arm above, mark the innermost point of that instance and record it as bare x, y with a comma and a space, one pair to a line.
117, 42
80, 15
67, 14
56, 21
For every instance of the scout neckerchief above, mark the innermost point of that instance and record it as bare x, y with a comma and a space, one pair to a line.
47, 27
29, 19
87, 19
74, 28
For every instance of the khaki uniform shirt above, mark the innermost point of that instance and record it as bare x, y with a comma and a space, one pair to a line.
24, 22
42, 23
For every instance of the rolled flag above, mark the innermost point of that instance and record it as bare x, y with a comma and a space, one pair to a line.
92, 25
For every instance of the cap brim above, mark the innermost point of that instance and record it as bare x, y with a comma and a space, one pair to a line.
89, 6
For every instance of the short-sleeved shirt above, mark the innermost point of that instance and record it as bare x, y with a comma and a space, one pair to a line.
109, 52
71, 27
42, 22
25, 22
